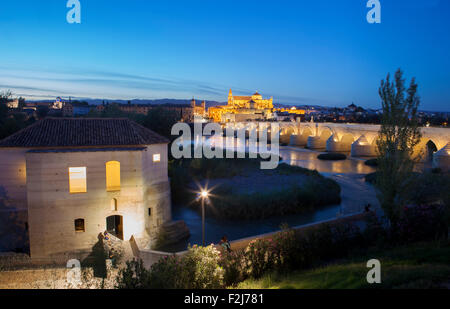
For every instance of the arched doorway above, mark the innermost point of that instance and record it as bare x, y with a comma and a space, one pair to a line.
430, 149
114, 226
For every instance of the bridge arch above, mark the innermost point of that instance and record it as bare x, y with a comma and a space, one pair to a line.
326, 132
362, 147
301, 138
286, 133
340, 144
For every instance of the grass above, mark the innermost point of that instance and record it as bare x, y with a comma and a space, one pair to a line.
425, 265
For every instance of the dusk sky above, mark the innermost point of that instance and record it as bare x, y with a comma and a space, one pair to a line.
300, 52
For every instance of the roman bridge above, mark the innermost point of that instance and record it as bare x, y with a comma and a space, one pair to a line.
359, 139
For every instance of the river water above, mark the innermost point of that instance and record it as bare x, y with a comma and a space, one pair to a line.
349, 174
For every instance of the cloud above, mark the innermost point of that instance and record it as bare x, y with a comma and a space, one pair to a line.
75, 82
103, 83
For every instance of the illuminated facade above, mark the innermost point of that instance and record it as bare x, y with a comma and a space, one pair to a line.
198, 111
242, 108
71, 179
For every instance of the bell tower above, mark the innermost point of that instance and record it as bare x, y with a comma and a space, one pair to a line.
230, 97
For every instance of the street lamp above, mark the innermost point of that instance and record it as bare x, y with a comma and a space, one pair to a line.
204, 196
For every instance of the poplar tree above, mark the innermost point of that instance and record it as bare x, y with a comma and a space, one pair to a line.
399, 134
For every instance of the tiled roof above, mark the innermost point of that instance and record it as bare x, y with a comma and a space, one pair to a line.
66, 150
79, 132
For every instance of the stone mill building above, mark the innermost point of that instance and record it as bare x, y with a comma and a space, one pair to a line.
67, 180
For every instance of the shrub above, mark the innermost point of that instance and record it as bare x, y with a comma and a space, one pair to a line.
436, 170
234, 268
374, 232
428, 188
291, 250
371, 178
332, 156
198, 269
133, 276
259, 258
286, 248
371, 162
421, 223
169, 273
202, 268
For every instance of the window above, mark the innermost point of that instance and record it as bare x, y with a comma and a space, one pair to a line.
156, 157
114, 204
149, 211
112, 176
77, 179
79, 225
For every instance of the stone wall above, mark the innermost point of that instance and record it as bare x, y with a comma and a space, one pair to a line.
52, 209
13, 200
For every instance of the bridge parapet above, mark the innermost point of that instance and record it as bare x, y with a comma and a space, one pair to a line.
360, 139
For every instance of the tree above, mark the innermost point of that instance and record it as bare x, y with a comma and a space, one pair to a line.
399, 134
5, 96
42, 111
161, 120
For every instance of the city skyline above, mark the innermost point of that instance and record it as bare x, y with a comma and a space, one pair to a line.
300, 53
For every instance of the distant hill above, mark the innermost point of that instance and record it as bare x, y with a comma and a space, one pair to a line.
138, 101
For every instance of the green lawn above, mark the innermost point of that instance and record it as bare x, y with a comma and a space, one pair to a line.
417, 266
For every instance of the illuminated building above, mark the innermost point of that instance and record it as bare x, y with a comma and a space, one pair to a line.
242, 108
247, 108
70, 179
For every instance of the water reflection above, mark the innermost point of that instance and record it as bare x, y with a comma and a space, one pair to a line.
215, 229
299, 157
308, 159
236, 229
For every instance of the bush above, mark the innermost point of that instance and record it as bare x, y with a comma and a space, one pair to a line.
288, 250
422, 223
259, 258
332, 156
375, 232
428, 188
233, 265
197, 269
436, 170
371, 162
133, 276
291, 250
371, 178
202, 268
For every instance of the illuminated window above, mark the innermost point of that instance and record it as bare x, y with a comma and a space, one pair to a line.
156, 157
77, 179
112, 176
79, 225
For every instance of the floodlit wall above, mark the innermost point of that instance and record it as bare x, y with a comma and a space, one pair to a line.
52, 209
157, 189
13, 200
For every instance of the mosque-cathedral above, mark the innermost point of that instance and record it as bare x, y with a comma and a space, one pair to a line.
245, 108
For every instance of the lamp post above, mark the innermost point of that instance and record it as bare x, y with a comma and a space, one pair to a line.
203, 196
